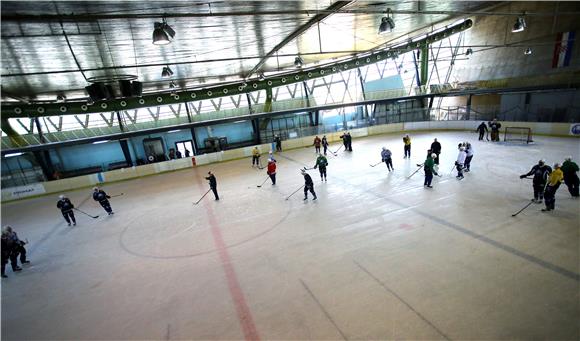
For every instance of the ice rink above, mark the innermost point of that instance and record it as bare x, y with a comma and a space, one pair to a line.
377, 256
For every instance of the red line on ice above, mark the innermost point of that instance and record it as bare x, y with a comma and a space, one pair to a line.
242, 309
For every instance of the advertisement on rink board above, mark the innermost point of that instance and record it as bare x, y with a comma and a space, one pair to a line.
575, 129
24, 191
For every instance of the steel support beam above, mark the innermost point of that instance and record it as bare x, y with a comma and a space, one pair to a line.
316, 19
424, 64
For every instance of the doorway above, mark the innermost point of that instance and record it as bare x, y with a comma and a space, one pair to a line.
182, 146
154, 149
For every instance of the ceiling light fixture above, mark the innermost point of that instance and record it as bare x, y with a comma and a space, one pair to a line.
519, 25
99, 142
468, 52
528, 51
162, 33
60, 98
13, 154
167, 72
387, 23
298, 62
261, 76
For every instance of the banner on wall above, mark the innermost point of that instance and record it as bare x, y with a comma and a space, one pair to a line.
26, 191
575, 129
563, 49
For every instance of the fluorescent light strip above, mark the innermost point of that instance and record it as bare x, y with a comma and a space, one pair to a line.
99, 142
13, 154
174, 131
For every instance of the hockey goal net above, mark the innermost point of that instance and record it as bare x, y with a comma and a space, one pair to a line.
518, 134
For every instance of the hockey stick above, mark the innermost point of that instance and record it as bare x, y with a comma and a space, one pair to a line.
305, 169
452, 168
197, 202
415, 172
117, 195
520, 211
85, 213
487, 135
376, 164
262, 184
294, 192
336, 150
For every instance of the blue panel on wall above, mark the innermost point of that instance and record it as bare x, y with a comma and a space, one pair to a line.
387, 83
89, 155
235, 132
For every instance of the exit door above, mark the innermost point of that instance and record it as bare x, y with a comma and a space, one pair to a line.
184, 146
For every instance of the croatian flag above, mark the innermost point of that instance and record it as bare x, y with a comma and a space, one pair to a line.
563, 49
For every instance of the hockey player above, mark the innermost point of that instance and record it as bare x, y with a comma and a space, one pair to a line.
5, 254
316, 144
256, 157
569, 168
66, 208
429, 168
460, 163
407, 148
540, 172
16, 247
386, 158
469, 152
324, 143
494, 126
272, 171
103, 199
8, 249
482, 129
436, 148
278, 143
308, 185
347, 141
554, 181
321, 163
213, 185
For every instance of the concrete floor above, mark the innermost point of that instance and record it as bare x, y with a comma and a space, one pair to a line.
376, 257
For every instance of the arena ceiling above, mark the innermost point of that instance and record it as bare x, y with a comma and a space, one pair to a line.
57, 47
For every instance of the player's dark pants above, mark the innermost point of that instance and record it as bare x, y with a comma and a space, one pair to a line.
481, 133
19, 249
215, 193
349, 146
255, 160
278, 146
539, 190
459, 170
273, 178
495, 135
106, 205
309, 188
428, 178
322, 171
389, 163
68, 216
468, 162
317, 149
572, 182
408, 150
4, 262
550, 196
325, 148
